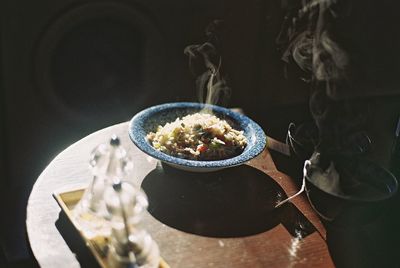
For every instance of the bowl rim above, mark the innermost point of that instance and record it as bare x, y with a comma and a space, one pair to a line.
257, 136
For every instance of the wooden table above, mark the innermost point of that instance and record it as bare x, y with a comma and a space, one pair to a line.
220, 219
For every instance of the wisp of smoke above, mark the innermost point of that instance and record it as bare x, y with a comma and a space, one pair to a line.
330, 61
311, 44
211, 86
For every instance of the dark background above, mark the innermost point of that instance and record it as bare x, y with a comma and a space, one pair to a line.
68, 68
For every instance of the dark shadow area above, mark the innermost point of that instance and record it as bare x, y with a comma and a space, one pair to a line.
290, 165
295, 222
75, 242
15, 250
372, 244
24, 263
232, 202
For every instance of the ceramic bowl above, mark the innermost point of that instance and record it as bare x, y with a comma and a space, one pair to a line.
149, 119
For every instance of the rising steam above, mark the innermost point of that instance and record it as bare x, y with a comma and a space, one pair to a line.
309, 41
330, 61
311, 44
308, 38
205, 59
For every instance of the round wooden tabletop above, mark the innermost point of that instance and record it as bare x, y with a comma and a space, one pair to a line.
219, 219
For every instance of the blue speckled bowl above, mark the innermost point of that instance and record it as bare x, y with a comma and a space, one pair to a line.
150, 118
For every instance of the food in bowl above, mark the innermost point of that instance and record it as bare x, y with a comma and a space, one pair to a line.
199, 136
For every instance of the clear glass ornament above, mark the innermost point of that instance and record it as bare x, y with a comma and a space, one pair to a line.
107, 162
129, 245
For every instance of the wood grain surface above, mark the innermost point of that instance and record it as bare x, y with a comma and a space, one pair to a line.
220, 219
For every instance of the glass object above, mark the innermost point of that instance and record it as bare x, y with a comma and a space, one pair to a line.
107, 162
129, 245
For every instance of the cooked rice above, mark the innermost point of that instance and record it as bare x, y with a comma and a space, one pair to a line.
199, 136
